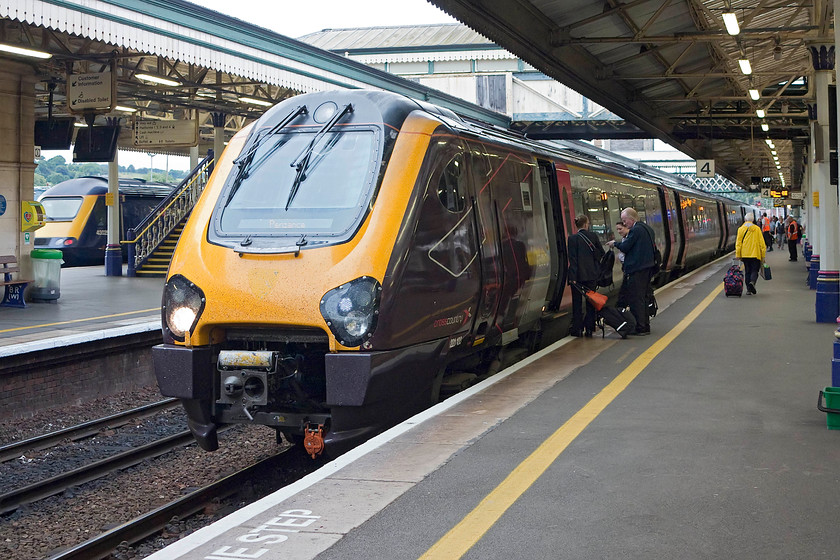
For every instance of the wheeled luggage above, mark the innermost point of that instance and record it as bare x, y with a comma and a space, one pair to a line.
733, 282
621, 320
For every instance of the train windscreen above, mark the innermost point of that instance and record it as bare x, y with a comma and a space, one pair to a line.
61, 209
297, 183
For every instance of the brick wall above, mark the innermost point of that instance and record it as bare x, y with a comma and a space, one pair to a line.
75, 374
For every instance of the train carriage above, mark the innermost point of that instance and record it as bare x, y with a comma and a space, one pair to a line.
356, 250
77, 218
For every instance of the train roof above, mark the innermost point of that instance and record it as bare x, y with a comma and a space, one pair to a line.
586, 155
95, 185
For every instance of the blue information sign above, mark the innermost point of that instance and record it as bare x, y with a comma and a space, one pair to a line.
2, 204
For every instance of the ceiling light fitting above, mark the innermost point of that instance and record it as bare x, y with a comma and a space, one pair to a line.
745, 66
754, 94
765, 127
730, 20
256, 101
24, 52
157, 80
759, 113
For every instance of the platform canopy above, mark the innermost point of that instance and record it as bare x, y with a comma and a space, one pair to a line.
177, 60
671, 68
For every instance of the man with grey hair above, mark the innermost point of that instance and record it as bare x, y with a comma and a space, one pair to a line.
638, 248
751, 249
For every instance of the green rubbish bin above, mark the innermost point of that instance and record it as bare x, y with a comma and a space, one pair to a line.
46, 268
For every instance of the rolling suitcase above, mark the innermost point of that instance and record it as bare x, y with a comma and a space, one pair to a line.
621, 320
733, 282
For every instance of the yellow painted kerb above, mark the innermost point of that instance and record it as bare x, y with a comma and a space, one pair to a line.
465, 534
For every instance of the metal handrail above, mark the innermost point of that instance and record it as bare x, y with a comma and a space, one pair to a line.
163, 220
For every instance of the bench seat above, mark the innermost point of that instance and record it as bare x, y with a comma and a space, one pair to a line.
13, 288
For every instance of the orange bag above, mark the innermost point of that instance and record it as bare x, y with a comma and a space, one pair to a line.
597, 300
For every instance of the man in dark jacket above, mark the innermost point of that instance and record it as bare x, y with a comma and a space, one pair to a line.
637, 247
585, 254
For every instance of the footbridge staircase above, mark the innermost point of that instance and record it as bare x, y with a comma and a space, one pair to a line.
151, 243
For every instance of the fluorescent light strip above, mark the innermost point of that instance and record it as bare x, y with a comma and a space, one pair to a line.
125, 109
759, 113
765, 127
256, 101
157, 79
24, 52
755, 95
730, 20
745, 66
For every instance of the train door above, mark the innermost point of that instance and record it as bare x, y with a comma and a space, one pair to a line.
487, 234
724, 227
675, 217
667, 228
556, 233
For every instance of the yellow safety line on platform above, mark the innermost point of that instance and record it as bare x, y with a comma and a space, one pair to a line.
81, 320
465, 534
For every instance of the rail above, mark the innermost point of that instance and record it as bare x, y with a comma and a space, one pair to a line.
152, 522
163, 220
74, 433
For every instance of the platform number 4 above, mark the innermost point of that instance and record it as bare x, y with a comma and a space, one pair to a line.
705, 168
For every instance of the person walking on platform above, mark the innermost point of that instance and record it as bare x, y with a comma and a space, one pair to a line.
585, 254
750, 249
639, 262
792, 231
765, 231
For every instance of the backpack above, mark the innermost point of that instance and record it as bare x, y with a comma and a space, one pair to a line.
657, 255
605, 277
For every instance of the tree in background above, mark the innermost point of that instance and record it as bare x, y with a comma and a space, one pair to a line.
56, 169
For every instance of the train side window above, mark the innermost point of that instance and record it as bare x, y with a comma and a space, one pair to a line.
595, 211
452, 185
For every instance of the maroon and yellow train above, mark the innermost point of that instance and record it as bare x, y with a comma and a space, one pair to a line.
354, 248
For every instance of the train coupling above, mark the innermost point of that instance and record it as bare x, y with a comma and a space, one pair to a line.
244, 377
313, 440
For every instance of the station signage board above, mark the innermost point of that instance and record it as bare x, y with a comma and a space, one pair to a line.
705, 168
152, 133
91, 93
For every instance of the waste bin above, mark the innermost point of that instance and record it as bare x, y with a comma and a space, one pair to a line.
46, 268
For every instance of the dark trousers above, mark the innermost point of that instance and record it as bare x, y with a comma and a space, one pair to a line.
751, 267
579, 321
792, 249
638, 287
768, 240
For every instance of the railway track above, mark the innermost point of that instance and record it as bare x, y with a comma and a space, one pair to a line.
82, 431
10, 501
153, 522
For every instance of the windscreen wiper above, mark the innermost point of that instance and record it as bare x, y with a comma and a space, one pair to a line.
244, 161
301, 162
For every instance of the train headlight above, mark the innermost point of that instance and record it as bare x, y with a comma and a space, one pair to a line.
351, 310
183, 303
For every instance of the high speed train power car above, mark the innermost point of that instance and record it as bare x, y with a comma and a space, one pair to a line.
354, 248
77, 218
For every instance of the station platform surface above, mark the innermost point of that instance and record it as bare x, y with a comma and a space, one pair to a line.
90, 305
702, 440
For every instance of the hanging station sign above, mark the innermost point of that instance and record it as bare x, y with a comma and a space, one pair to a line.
152, 133
91, 93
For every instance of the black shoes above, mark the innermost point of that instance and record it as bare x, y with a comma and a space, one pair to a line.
751, 288
641, 332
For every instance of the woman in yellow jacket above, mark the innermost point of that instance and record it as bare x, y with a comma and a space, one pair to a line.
750, 248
